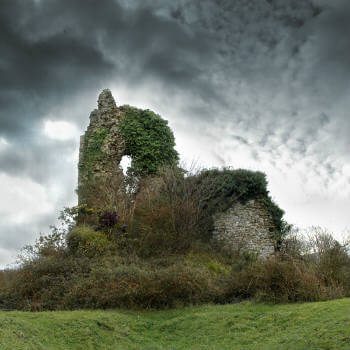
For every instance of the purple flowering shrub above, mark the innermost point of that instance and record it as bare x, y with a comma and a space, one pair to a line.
108, 219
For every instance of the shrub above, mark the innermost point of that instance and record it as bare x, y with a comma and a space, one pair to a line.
202, 276
155, 232
83, 241
108, 219
329, 258
7, 278
282, 280
133, 286
73, 283
52, 244
102, 194
41, 284
165, 216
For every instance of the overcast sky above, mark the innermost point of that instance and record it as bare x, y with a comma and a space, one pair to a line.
257, 84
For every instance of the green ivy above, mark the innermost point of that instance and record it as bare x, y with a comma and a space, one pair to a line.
149, 141
93, 152
276, 212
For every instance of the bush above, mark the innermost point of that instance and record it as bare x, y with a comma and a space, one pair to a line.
73, 283
41, 284
134, 287
329, 258
155, 233
102, 194
108, 219
201, 276
85, 242
165, 216
282, 280
50, 245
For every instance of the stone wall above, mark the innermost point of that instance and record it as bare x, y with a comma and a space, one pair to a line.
246, 226
101, 150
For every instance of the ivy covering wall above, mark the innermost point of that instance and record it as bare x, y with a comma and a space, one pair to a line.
149, 141
93, 152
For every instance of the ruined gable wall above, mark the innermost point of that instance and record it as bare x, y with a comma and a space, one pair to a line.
101, 150
246, 226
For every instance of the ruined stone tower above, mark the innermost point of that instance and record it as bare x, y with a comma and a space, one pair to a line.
101, 150
114, 132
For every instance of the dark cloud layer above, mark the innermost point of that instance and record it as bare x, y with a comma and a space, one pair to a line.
52, 49
266, 81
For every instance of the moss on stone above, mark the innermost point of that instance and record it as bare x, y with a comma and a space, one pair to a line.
93, 153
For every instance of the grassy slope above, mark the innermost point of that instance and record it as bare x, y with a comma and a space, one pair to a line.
324, 325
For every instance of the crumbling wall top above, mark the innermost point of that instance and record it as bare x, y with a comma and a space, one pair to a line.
106, 101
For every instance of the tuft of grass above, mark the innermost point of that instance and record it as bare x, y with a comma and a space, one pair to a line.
248, 326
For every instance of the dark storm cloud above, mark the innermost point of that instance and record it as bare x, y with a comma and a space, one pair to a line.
51, 50
38, 72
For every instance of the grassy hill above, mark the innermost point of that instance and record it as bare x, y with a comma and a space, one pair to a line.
309, 326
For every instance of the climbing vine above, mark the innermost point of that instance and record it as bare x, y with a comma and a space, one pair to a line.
93, 152
149, 141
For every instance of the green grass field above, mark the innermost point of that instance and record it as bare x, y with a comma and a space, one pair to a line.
309, 326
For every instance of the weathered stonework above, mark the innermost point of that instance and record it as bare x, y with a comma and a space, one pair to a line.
246, 226
101, 183
101, 150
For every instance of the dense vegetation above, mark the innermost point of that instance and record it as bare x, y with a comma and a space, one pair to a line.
93, 152
146, 240
149, 141
153, 254
308, 326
